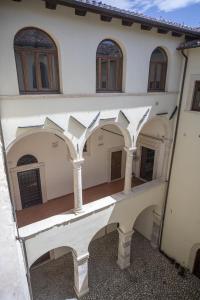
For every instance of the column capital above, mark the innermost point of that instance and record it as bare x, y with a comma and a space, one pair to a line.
77, 162
81, 259
131, 150
125, 235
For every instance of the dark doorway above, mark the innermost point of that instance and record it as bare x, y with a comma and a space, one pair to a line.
196, 270
147, 163
116, 165
30, 187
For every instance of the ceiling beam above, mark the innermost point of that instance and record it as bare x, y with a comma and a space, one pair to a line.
176, 34
162, 31
51, 4
146, 27
127, 22
80, 12
106, 18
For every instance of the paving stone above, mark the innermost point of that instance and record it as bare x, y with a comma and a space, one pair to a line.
150, 277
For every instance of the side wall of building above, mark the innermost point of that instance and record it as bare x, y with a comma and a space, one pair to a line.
182, 222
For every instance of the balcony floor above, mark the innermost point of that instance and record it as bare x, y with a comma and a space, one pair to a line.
65, 203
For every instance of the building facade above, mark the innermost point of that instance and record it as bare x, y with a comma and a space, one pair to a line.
89, 102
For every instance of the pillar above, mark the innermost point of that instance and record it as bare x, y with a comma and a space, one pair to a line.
81, 274
130, 152
155, 236
77, 174
124, 249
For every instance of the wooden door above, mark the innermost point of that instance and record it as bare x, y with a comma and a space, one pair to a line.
30, 187
196, 270
116, 165
147, 163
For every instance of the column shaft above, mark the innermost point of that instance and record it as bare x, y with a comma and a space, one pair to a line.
77, 174
130, 152
155, 236
81, 275
124, 249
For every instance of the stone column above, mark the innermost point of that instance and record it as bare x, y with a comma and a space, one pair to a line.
155, 236
81, 274
77, 174
124, 249
130, 152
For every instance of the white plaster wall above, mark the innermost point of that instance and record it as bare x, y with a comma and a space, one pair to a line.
13, 283
144, 223
182, 223
72, 33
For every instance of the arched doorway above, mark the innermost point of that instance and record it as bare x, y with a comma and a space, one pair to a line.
29, 182
52, 275
196, 269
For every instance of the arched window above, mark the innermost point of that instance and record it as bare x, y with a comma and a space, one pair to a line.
36, 61
26, 160
109, 63
157, 70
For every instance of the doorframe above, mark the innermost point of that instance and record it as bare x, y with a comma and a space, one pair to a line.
109, 161
152, 144
15, 183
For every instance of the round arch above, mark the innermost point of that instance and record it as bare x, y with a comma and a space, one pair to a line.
126, 134
40, 252
64, 137
162, 121
100, 232
192, 256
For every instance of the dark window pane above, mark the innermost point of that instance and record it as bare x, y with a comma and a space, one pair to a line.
113, 75
26, 160
19, 71
43, 60
104, 65
196, 97
33, 38
31, 69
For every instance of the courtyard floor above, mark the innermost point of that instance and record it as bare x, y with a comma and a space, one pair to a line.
150, 277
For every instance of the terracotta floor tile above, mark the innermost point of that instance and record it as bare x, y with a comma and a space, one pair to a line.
65, 203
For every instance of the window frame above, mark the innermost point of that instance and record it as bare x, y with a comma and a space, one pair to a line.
194, 106
163, 76
119, 71
23, 53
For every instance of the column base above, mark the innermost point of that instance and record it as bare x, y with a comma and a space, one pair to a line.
78, 211
123, 262
80, 294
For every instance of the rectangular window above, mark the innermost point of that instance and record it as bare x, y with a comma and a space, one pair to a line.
196, 97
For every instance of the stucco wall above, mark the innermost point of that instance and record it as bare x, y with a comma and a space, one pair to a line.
77, 39
13, 283
182, 223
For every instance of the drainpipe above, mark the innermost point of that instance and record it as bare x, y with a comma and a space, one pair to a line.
173, 147
24, 253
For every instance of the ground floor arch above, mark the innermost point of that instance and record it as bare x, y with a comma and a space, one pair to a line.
59, 265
